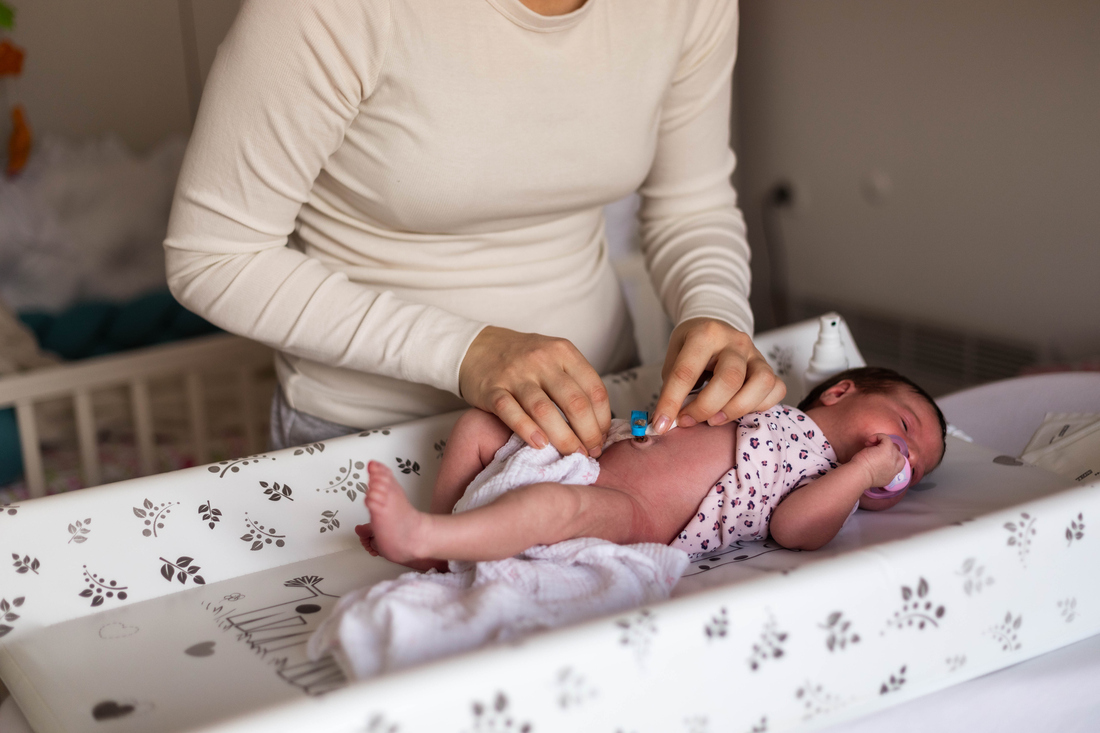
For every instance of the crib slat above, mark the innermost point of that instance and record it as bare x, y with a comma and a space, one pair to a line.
85, 432
248, 410
196, 407
33, 474
143, 425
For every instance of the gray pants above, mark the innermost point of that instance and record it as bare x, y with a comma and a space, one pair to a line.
290, 427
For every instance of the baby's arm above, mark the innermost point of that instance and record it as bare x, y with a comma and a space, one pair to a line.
810, 517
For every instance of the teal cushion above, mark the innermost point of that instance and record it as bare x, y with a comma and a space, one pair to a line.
143, 320
37, 322
186, 324
11, 457
75, 333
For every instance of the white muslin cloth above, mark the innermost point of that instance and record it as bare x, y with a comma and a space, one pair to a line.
418, 617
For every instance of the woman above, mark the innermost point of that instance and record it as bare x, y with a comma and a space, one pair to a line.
404, 198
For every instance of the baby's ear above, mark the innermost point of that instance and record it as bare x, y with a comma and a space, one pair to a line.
837, 392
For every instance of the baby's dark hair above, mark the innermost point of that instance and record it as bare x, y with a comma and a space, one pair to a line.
875, 380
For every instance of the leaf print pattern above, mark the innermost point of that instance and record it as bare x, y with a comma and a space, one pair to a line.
573, 690
816, 700
224, 467
408, 465
348, 480
894, 683
917, 609
7, 614
1076, 529
25, 564
769, 646
153, 515
274, 492
838, 628
183, 568
329, 522
310, 449
379, 724
9, 509
210, 515
78, 531
1005, 633
496, 718
637, 632
260, 536
718, 626
1068, 609
1022, 532
975, 577
100, 588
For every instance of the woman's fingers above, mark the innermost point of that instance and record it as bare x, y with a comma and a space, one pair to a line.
504, 405
685, 362
742, 380
755, 382
541, 387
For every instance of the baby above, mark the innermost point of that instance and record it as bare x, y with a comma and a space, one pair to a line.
794, 473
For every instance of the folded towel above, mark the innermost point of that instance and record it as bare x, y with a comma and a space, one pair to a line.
418, 617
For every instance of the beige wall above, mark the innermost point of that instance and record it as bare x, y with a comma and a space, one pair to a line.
983, 117
118, 66
980, 117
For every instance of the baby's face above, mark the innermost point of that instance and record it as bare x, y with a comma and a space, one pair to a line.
852, 420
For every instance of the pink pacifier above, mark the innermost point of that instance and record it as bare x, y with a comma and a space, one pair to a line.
900, 482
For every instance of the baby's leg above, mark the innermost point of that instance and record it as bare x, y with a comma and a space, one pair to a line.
473, 442
539, 514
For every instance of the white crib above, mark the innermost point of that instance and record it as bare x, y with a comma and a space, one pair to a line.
186, 391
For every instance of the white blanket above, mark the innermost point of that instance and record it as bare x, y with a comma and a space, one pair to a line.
422, 616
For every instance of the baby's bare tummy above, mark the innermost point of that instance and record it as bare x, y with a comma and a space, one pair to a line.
669, 475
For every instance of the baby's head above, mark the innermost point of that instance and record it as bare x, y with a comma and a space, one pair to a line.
855, 404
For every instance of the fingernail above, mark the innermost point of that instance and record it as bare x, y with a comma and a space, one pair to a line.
718, 418
686, 421
539, 440
595, 452
662, 424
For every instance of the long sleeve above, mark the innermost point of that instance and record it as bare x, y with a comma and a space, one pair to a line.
287, 83
693, 234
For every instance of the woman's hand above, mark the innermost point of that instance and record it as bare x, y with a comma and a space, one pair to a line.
743, 381
523, 378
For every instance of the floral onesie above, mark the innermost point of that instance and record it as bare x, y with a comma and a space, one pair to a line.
775, 453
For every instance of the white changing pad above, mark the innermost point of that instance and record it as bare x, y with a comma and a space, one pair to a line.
217, 611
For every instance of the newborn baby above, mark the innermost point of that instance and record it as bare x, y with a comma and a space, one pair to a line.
796, 473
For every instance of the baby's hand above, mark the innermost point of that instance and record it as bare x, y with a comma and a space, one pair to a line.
881, 459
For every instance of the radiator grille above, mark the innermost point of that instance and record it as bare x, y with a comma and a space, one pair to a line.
941, 359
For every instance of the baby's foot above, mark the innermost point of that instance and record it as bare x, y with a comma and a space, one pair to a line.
366, 535
395, 524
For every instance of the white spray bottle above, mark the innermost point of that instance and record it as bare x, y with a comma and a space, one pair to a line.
828, 356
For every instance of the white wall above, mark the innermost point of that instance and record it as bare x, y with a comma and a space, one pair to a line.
116, 66
983, 116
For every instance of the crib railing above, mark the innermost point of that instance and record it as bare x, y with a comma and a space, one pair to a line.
243, 359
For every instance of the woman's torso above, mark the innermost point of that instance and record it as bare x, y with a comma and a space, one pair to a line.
473, 179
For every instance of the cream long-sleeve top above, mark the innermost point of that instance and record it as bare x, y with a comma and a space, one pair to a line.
372, 182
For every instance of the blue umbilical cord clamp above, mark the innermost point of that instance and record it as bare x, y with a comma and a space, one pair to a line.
639, 421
